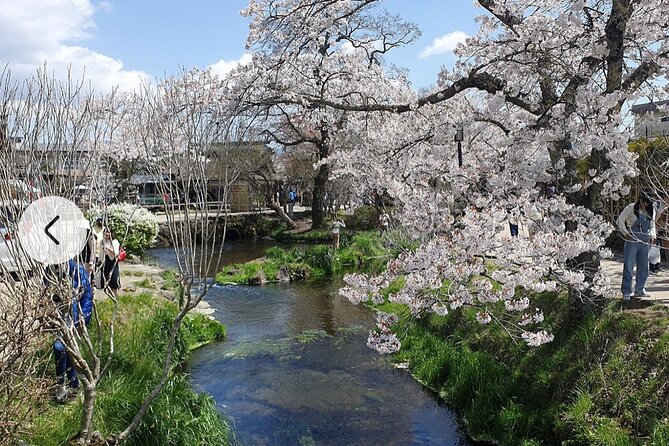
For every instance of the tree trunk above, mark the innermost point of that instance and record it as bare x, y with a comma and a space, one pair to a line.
85, 432
581, 303
321, 181
318, 199
282, 215
270, 198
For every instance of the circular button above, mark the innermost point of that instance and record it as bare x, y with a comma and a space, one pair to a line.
52, 230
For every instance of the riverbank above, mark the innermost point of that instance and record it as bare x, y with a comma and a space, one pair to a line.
363, 250
145, 277
179, 415
603, 380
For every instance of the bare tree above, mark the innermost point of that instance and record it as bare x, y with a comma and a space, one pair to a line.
190, 138
53, 133
55, 136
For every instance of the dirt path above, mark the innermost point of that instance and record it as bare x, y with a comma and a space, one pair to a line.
137, 277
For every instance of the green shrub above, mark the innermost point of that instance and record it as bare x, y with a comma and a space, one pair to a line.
134, 227
364, 218
313, 236
257, 225
319, 257
250, 273
281, 255
364, 249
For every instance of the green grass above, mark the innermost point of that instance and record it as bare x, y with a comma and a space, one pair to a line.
132, 273
170, 281
313, 236
178, 416
601, 382
146, 283
364, 250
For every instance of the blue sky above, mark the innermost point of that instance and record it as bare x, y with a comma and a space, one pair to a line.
120, 41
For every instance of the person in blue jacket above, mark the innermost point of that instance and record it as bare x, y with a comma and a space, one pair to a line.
82, 300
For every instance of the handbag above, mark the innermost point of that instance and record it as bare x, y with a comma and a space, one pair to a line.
122, 254
654, 254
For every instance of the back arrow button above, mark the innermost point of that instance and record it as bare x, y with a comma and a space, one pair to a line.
46, 229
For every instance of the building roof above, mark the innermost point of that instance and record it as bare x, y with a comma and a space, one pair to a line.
648, 107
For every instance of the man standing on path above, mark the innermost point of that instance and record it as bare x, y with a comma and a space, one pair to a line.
637, 225
292, 198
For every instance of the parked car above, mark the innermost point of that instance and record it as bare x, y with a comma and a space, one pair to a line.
10, 213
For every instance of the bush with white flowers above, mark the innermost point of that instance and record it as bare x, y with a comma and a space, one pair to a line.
134, 227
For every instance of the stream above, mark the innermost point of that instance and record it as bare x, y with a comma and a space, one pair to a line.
295, 370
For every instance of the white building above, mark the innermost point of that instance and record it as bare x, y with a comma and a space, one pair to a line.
651, 120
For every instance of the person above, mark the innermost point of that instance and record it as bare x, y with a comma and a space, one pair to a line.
110, 250
551, 191
81, 308
513, 217
98, 228
637, 225
292, 198
335, 228
384, 222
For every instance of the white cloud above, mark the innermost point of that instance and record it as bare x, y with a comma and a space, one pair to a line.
443, 44
223, 67
38, 32
348, 48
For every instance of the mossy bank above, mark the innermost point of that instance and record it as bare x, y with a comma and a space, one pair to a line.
363, 250
179, 416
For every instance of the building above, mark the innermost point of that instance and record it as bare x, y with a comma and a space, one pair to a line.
247, 168
651, 120
238, 176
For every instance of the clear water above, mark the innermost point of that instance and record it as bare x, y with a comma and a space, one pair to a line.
295, 370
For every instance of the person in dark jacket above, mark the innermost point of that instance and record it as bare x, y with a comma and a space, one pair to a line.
81, 309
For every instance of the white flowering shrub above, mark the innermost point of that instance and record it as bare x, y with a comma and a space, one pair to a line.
134, 227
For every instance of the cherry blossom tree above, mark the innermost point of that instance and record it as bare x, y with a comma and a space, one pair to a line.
540, 92
314, 50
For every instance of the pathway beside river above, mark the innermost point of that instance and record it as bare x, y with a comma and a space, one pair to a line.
657, 284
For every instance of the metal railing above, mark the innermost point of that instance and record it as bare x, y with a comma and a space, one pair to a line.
652, 130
